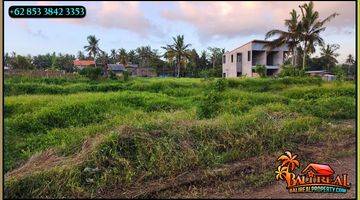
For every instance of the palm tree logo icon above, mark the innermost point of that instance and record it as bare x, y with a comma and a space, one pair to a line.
288, 165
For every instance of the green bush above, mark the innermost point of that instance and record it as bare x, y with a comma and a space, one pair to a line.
126, 75
289, 70
209, 105
339, 73
112, 75
219, 85
93, 73
261, 70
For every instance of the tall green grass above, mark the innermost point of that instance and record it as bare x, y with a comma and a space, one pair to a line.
158, 128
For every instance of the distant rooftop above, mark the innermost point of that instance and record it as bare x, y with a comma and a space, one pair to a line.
116, 67
78, 62
252, 41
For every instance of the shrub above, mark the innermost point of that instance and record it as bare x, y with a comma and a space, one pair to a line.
126, 75
93, 73
261, 70
209, 105
112, 75
339, 73
289, 70
219, 85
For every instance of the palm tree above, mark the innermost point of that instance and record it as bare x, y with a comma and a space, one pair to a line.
123, 56
104, 60
311, 27
144, 54
113, 55
291, 37
328, 53
132, 57
203, 60
169, 56
350, 61
179, 50
80, 55
93, 47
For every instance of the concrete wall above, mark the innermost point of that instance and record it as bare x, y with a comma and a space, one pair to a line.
231, 68
279, 58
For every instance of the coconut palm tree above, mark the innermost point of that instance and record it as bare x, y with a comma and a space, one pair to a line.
350, 61
144, 54
80, 55
311, 27
132, 57
113, 55
328, 53
179, 50
123, 56
291, 37
93, 47
104, 59
169, 56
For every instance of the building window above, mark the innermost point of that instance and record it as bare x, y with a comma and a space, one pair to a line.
232, 58
249, 55
238, 57
224, 59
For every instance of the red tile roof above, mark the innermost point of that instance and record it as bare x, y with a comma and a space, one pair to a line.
322, 170
84, 62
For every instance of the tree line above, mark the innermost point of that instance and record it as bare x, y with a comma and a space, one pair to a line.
178, 60
302, 36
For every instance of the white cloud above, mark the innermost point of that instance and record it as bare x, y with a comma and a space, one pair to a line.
109, 14
231, 19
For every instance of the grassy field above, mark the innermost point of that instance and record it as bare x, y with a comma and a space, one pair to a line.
91, 136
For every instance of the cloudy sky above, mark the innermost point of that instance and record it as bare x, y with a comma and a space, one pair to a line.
132, 24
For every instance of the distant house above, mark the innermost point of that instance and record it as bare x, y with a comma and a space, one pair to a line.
131, 68
81, 64
116, 68
316, 72
243, 60
325, 75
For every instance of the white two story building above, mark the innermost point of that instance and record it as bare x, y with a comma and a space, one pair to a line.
242, 60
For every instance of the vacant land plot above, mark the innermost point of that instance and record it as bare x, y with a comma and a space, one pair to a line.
71, 137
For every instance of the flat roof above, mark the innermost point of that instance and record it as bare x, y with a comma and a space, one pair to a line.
252, 41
